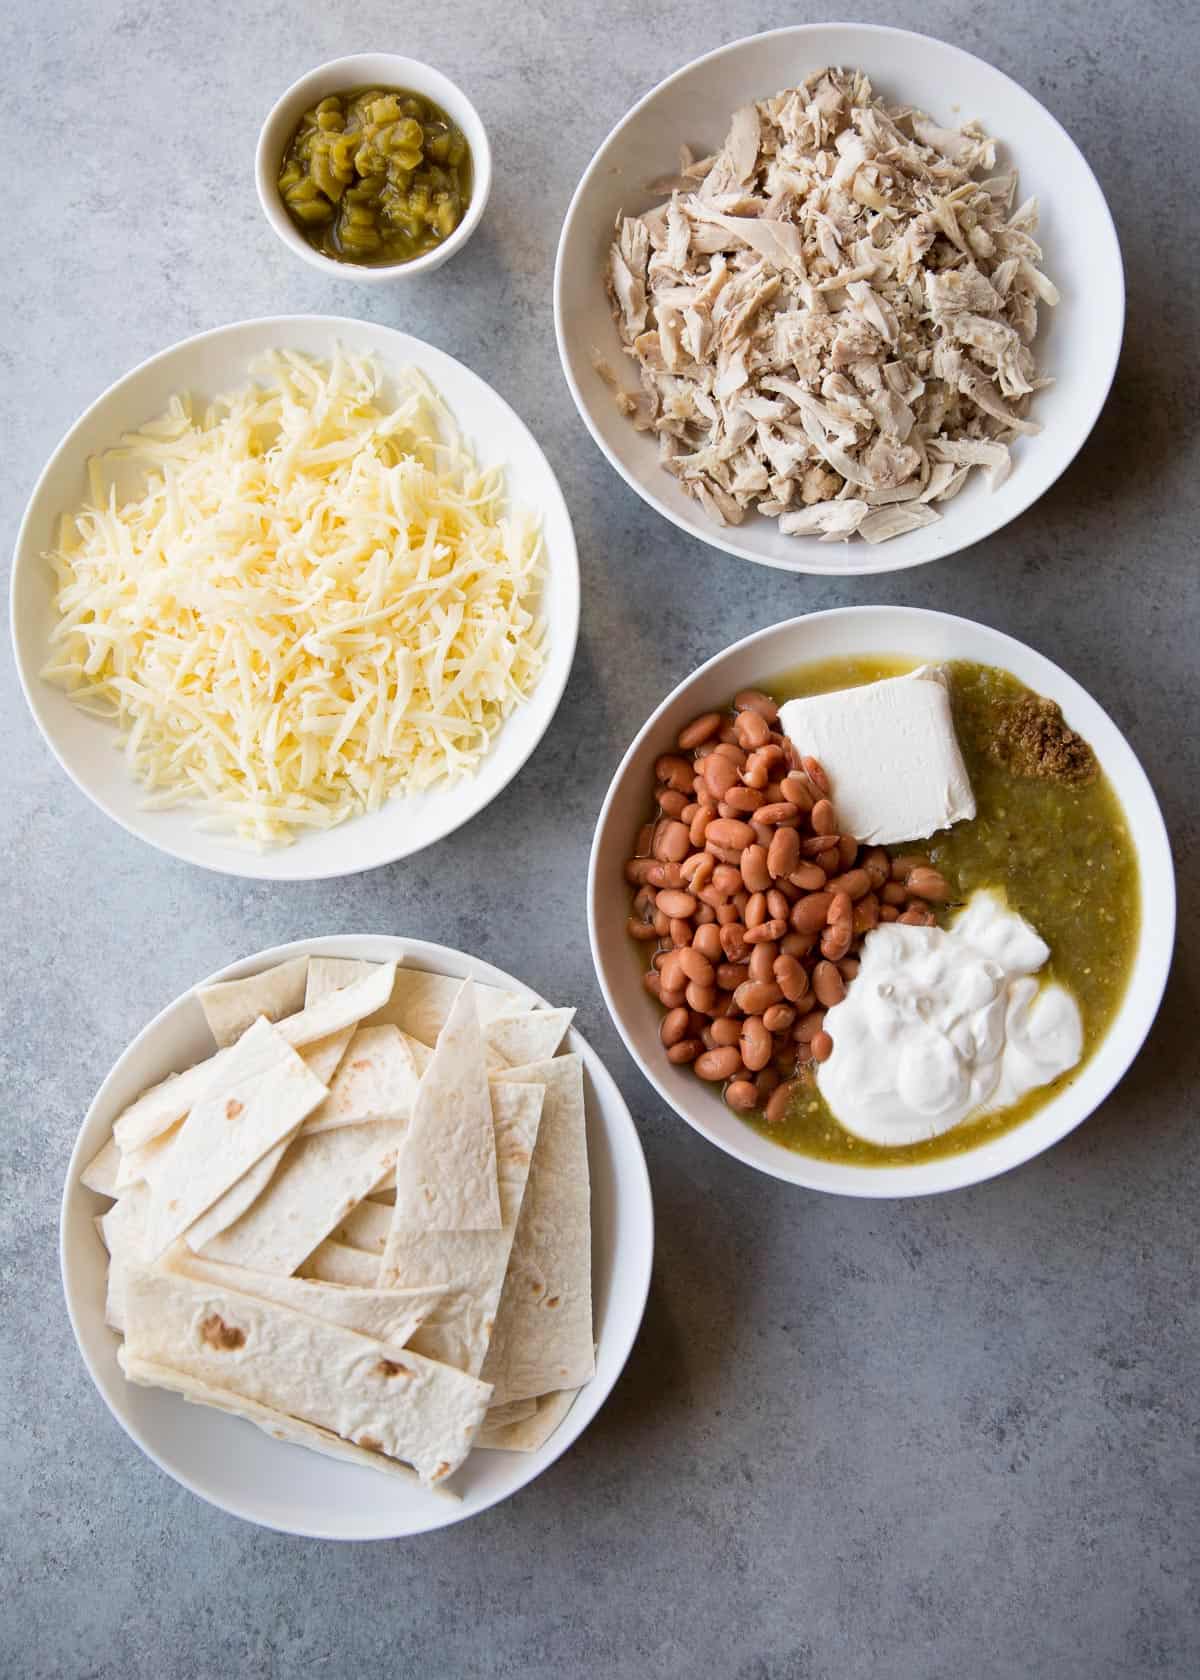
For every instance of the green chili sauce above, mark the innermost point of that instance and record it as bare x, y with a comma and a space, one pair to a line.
1064, 859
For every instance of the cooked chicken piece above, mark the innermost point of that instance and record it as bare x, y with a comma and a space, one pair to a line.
831, 316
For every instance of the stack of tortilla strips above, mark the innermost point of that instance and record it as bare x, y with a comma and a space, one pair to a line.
362, 1224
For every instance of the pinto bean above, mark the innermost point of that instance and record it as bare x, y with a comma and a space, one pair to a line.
822, 1047
678, 930
815, 772
674, 771
756, 909
718, 1065
779, 1017
674, 1026
808, 1026
755, 1042
888, 913
707, 940
827, 984
756, 871
730, 975
779, 1102
698, 826
836, 941
753, 996
727, 914
762, 960
754, 700
893, 892
929, 884
730, 833
791, 978
700, 998
918, 916
652, 982
878, 866
903, 866
797, 790
751, 730
687, 1050
742, 801
726, 1032
733, 942
672, 804
674, 902
741, 1096
809, 913
766, 931
719, 775
700, 729
855, 883
696, 966
866, 914
672, 843
823, 818
779, 907
795, 944
779, 812
636, 928
784, 853
731, 751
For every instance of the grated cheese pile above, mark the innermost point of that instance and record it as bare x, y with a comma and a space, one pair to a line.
315, 601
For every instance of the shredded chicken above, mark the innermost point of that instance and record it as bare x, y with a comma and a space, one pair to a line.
832, 316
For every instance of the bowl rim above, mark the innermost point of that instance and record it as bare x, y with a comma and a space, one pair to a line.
238, 866
608, 1097
371, 274
1143, 993
724, 538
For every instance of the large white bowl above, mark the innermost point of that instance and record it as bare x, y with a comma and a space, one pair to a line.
219, 361
234, 1465
344, 75
754, 663
1078, 344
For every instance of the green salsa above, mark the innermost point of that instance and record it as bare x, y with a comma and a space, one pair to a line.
376, 175
1061, 853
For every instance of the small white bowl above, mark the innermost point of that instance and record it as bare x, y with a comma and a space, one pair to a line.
1078, 342
753, 663
340, 75
220, 361
235, 1466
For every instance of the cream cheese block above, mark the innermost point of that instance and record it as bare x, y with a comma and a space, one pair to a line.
891, 755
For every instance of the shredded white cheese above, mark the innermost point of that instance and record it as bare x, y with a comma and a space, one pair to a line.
316, 601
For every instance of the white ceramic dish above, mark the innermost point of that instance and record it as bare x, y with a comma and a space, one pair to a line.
219, 361
341, 75
1078, 343
754, 663
234, 1465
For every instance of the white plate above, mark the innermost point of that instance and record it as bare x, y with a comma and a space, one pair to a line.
905, 632
234, 1465
1078, 343
220, 361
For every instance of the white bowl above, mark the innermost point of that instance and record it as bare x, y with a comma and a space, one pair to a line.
219, 361
753, 663
234, 1465
340, 75
1078, 343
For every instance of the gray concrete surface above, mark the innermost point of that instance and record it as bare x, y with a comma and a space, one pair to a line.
947, 1439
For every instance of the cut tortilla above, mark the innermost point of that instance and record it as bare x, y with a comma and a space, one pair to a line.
446, 1172
147, 1374
420, 1003
239, 1198
367, 1227
165, 1104
337, 1262
136, 1165
264, 1093
515, 1412
543, 1332
328, 974
320, 1179
529, 1037
389, 1315
376, 1395
230, 1006
527, 1434
100, 1174
377, 1080
459, 1329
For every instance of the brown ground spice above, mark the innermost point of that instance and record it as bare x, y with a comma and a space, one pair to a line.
1031, 738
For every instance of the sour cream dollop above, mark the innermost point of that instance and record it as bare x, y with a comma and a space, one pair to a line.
942, 1024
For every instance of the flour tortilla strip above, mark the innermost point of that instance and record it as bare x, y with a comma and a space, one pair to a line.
498, 1417
389, 1315
376, 1395
421, 1002
160, 1107
367, 1227
290, 1430
100, 1174
137, 1164
459, 1329
446, 1172
529, 1037
317, 1183
328, 974
529, 1433
239, 1198
230, 1006
123, 1232
264, 1093
543, 1334
377, 1080
337, 1262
